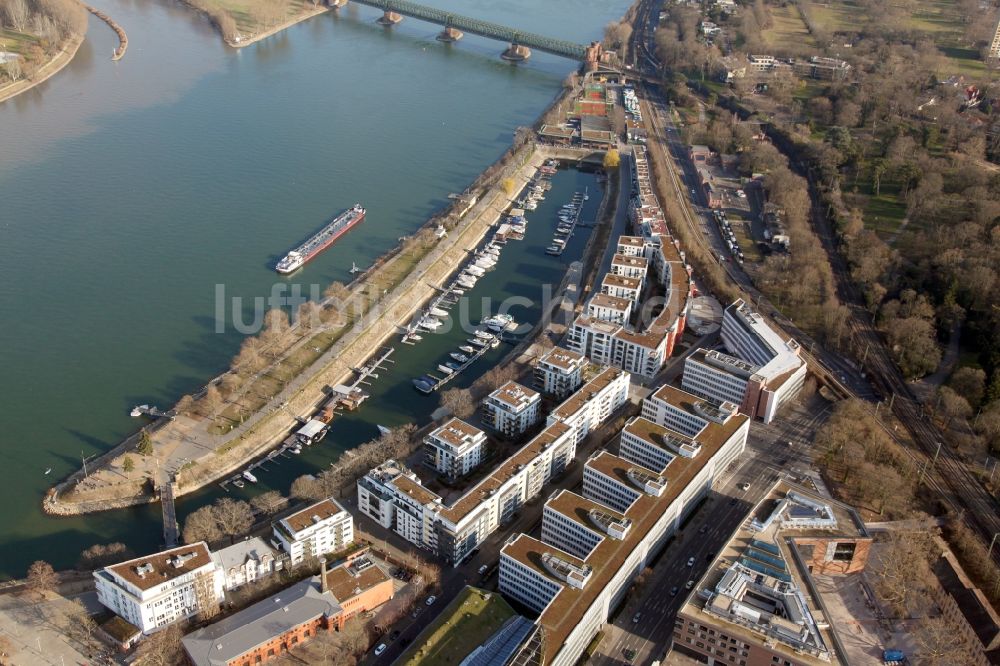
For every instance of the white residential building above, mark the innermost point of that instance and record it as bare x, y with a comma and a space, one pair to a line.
610, 308
629, 266
604, 333
454, 449
593, 547
622, 287
593, 404
324, 527
393, 495
247, 561
512, 409
160, 589
559, 372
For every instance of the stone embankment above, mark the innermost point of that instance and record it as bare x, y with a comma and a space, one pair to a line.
265, 429
120, 31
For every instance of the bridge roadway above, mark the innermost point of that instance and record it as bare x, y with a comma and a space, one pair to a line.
542, 43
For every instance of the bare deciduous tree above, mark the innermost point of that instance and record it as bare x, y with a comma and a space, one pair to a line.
459, 402
41, 578
201, 525
234, 517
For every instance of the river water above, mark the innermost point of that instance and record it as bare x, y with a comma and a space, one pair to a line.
130, 190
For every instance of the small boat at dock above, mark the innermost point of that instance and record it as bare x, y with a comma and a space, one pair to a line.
445, 369
483, 335
239, 483
467, 349
382, 429
249, 477
461, 358
438, 312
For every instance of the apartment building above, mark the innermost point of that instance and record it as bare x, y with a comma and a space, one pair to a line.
634, 267
392, 495
512, 409
604, 333
559, 372
593, 404
762, 371
593, 545
610, 308
454, 449
632, 246
621, 287
321, 528
246, 561
757, 604
160, 589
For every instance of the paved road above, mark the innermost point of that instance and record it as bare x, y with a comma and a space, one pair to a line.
769, 456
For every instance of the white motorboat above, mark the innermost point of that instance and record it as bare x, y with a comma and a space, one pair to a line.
461, 358
438, 312
382, 429
445, 369
483, 335
467, 349
430, 323
553, 249
239, 483
456, 290
249, 477
475, 271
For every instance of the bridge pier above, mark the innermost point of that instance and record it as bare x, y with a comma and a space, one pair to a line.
516, 53
390, 18
449, 35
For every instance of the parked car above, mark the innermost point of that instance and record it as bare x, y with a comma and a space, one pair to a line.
380, 649
430, 600
673, 591
636, 618
744, 486
690, 561
483, 569
688, 585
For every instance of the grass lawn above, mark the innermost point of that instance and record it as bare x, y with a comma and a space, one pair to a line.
835, 16
16, 42
789, 28
464, 625
884, 214
251, 16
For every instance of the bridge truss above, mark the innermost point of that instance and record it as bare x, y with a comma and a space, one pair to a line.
542, 43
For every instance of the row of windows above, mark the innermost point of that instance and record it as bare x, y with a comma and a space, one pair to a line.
614, 495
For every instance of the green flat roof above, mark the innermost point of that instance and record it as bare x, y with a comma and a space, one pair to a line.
464, 625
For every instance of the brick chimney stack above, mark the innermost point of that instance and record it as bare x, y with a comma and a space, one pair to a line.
324, 588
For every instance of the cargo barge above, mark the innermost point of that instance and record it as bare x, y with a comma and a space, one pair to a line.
323, 239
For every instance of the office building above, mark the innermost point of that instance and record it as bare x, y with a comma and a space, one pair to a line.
762, 371
757, 603
593, 545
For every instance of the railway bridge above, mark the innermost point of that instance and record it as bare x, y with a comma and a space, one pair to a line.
455, 26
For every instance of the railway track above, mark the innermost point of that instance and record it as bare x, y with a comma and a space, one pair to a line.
943, 473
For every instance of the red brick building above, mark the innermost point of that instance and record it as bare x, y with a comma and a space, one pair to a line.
295, 615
